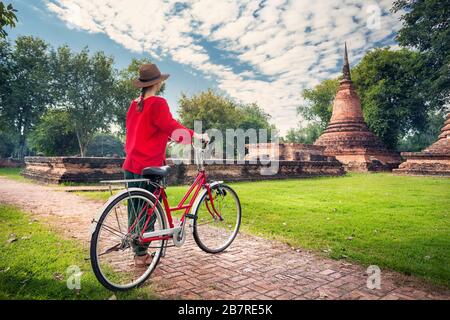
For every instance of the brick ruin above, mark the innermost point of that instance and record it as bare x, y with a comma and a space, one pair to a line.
286, 152
347, 136
72, 169
434, 160
76, 169
10, 163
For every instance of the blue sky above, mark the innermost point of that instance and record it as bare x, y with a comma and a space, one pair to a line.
263, 51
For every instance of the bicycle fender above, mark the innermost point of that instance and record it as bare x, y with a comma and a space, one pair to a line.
200, 195
111, 199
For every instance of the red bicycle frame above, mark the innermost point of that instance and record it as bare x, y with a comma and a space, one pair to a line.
160, 193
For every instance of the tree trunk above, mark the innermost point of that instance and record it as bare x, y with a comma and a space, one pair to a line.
21, 135
80, 145
21, 152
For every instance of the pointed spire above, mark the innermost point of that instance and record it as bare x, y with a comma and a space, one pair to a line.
346, 68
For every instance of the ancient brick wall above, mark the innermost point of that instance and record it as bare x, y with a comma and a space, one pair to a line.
286, 151
10, 163
72, 169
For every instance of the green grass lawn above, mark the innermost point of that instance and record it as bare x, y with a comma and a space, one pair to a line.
35, 265
13, 173
395, 222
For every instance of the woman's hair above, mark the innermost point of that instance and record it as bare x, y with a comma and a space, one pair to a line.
140, 104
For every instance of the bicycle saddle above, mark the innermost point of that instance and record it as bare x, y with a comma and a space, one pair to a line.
156, 171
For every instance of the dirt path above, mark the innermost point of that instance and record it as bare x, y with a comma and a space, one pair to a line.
252, 268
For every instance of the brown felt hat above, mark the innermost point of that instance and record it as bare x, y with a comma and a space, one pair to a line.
149, 75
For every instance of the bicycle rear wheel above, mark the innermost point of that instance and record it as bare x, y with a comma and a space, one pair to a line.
115, 241
214, 233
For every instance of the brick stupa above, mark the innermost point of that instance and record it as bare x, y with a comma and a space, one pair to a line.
347, 136
434, 160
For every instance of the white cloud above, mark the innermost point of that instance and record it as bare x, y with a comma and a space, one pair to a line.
292, 44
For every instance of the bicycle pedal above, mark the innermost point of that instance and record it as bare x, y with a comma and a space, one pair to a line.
191, 216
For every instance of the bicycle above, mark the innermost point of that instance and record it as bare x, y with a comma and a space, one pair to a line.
213, 208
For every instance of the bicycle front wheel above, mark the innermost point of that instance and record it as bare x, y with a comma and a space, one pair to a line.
217, 222
116, 240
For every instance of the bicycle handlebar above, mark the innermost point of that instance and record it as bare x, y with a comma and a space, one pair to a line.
203, 142
199, 152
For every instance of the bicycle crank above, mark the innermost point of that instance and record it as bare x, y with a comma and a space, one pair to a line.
179, 237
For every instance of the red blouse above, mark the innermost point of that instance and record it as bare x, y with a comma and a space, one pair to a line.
147, 133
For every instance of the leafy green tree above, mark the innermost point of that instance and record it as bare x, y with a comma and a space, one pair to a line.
254, 117
7, 18
214, 110
5, 71
318, 102
306, 135
219, 112
105, 145
27, 93
426, 27
54, 135
416, 141
83, 84
124, 91
7, 144
391, 90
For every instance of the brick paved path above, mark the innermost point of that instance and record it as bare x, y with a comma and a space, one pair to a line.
252, 268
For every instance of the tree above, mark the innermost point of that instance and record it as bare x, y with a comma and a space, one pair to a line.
416, 141
7, 144
426, 27
214, 110
83, 86
253, 117
318, 104
219, 112
7, 18
125, 92
5, 71
54, 135
392, 93
6, 130
26, 95
105, 145
306, 135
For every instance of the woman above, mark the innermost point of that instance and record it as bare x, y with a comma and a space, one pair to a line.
149, 124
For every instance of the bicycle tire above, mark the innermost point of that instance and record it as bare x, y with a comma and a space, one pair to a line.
94, 241
196, 235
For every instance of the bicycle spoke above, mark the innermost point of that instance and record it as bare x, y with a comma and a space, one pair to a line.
113, 231
117, 219
116, 248
109, 250
217, 221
